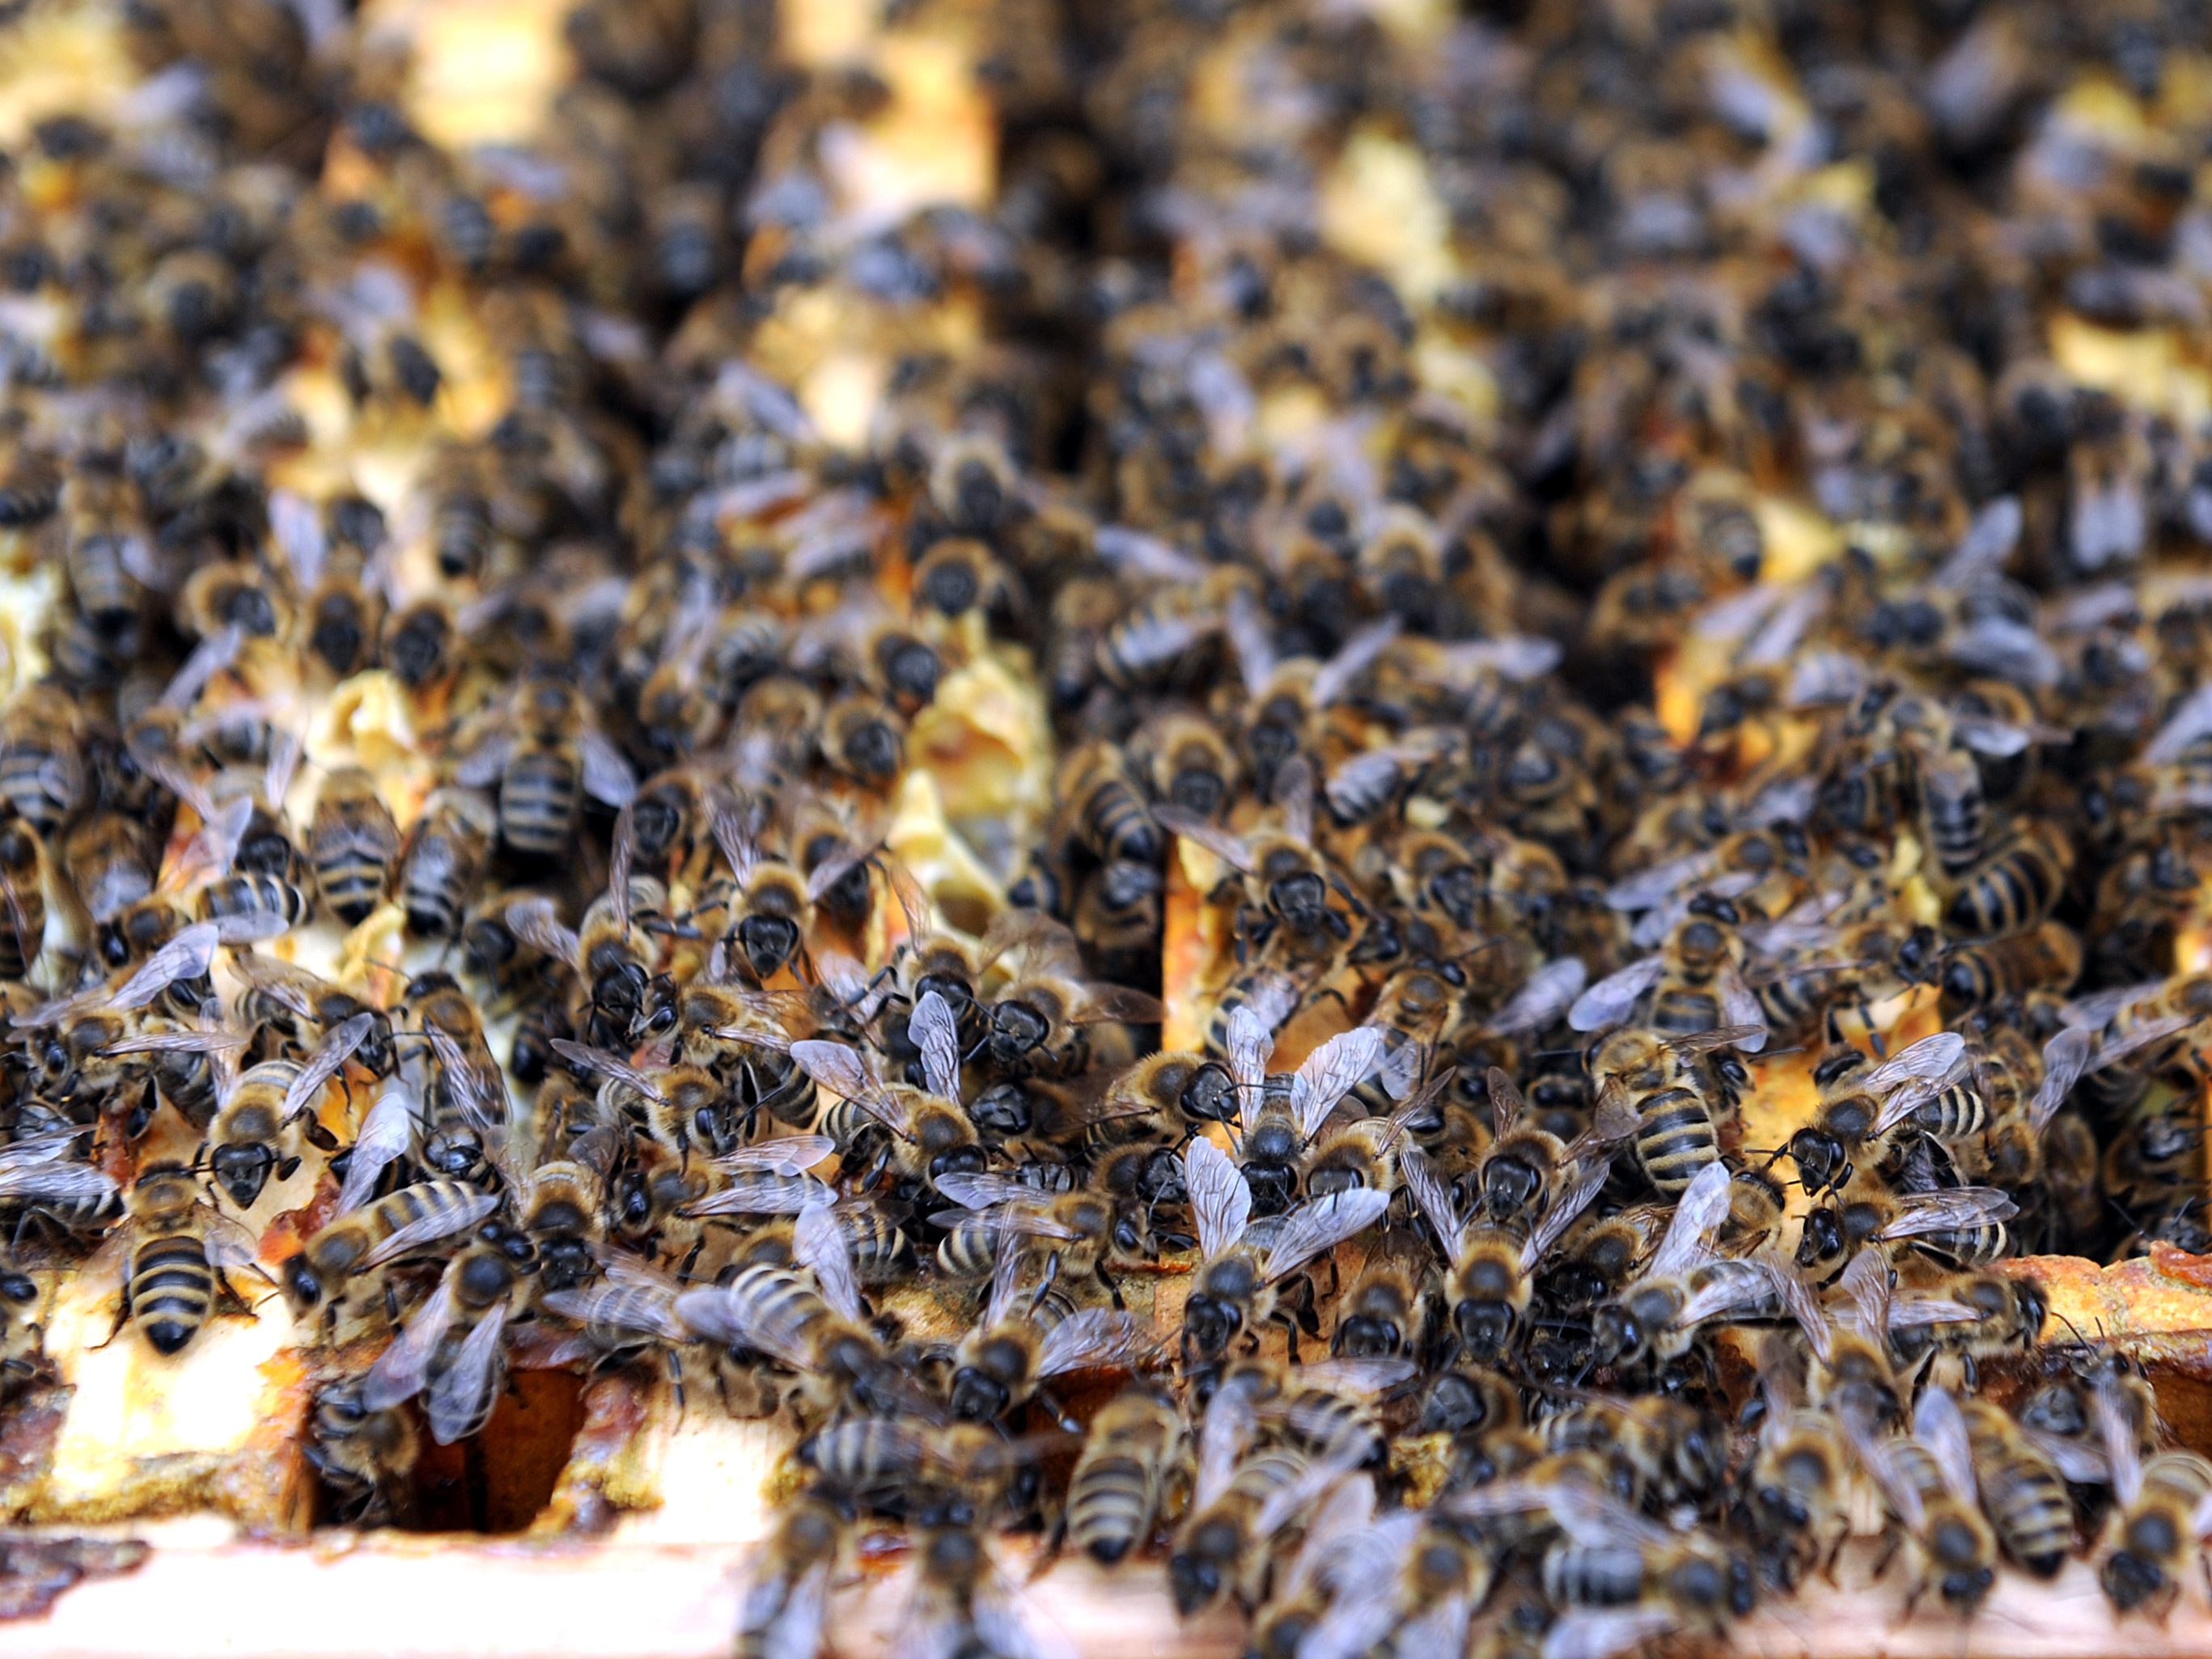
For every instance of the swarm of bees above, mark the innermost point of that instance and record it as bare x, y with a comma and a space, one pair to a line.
1453, 764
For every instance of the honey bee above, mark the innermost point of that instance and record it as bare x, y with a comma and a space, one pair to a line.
252, 1135
453, 1349
364, 1458
172, 1249
1863, 1105
464, 1091
1287, 887
1015, 1349
1964, 1224
1187, 763
2014, 887
864, 738
442, 861
1123, 1477
22, 900
357, 1242
111, 862
353, 843
1102, 808
1684, 1284
2047, 956
42, 1178
1928, 1480
1119, 913
785, 1604
42, 773
1234, 1290
418, 644
1675, 1100
929, 1135
1694, 985
542, 755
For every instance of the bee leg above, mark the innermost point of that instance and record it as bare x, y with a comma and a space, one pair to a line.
691, 1258
1059, 1411
676, 1380
1113, 1290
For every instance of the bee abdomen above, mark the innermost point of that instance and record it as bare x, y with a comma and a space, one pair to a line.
1676, 1140
538, 803
1109, 1506
171, 1290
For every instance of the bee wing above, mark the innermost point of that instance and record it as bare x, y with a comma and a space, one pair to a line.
1901, 1103
485, 759
608, 776
937, 1035
1613, 998
335, 1048
1293, 797
456, 1402
402, 1370
819, 1242
460, 1219
1092, 1338
187, 955
1599, 1520
1300, 1493
845, 1072
1230, 1421
827, 874
1432, 1196
2145, 1036
1780, 800
2065, 1058
1220, 1201
1599, 1633
1990, 537
1647, 888
1003, 1624
598, 1062
1332, 1072
1907, 1311
1698, 1218
983, 1191
386, 1132
735, 1316
482, 1100
1877, 1456
1230, 849
1506, 1101
1927, 1061
1251, 1042
2116, 1434
1953, 1206
1717, 1037
57, 1179
1513, 656
293, 988
1118, 1002
1549, 992
1343, 1518
1941, 1428
1364, 1568
251, 928
2191, 719
1360, 1374
2097, 1011
1353, 657
1588, 1180
178, 1042
1350, 783
1248, 639
1742, 1012
2077, 1460
789, 1155
1867, 1282
622, 857
800, 1193
1132, 552
1986, 736
534, 922
1724, 1288
1321, 1224
214, 654
2007, 650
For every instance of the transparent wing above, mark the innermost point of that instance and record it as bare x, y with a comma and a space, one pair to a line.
1332, 1072
845, 1072
2192, 718
179, 1042
1250, 1043
1941, 1428
1955, 1207
1647, 888
796, 1194
982, 1192
2116, 1434
622, 855
482, 1100
1724, 1289
1321, 1224
1093, 1338
388, 1129
2065, 1058
1230, 1421
819, 1242
1740, 1008
1927, 1061
1231, 849
787, 1155
937, 1035
1353, 657
1584, 1185
535, 922
213, 847
336, 1048
1600, 1633
485, 760
1699, 1216
1613, 998
602, 1063
444, 1223
459, 1394
1432, 1196
1247, 638
1220, 1201
2097, 1010
402, 1370
187, 955
1550, 991
1867, 1281
607, 773
1799, 1301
